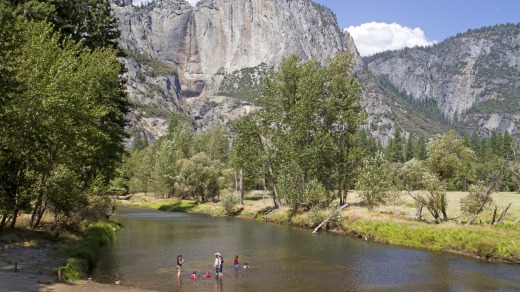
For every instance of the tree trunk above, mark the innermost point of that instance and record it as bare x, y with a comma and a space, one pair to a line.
40, 216
3, 222
264, 193
15, 215
418, 214
503, 214
327, 220
241, 187
494, 215
236, 181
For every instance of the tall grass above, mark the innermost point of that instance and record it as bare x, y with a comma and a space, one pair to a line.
85, 254
498, 243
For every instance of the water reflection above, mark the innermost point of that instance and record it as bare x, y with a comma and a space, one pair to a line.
281, 259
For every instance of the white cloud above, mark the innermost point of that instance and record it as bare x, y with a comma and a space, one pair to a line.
374, 37
138, 2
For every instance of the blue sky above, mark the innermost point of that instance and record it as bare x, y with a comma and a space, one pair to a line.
378, 25
437, 19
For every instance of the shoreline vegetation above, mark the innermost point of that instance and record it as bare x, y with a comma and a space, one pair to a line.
393, 225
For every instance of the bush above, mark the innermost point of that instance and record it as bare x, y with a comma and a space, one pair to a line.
229, 202
316, 216
85, 254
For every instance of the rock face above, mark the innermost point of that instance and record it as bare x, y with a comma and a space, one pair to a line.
208, 62
473, 78
203, 44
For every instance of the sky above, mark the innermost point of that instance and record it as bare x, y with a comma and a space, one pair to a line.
380, 25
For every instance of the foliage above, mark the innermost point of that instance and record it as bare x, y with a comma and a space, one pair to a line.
229, 202
199, 177
471, 203
244, 84
316, 216
305, 129
449, 157
61, 126
154, 67
374, 181
84, 254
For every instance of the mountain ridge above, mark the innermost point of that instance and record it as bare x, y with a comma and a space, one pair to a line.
218, 52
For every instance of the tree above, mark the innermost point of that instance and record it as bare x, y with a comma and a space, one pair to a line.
247, 154
449, 158
476, 198
67, 112
409, 150
395, 149
309, 118
199, 177
420, 149
214, 142
374, 182
432, 191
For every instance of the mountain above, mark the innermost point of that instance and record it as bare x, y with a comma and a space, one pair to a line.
472, 80
208, 62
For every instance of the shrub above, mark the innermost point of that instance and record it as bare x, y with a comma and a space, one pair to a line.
85, 254
229, 202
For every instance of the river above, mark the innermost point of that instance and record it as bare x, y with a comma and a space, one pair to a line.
281, 258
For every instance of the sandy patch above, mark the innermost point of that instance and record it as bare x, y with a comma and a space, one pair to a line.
27, 264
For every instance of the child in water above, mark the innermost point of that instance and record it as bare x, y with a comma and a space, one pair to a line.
208, 275
194, 275
246, 265
235, 262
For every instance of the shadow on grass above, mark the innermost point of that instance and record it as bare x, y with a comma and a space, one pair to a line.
178, 207
236, 212
256, 198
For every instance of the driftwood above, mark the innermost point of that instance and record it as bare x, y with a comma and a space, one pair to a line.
503, 214
327, 220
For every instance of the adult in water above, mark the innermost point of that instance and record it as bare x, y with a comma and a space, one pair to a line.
180, 260
218, 264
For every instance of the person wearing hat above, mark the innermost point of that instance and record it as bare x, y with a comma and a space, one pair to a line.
218, 264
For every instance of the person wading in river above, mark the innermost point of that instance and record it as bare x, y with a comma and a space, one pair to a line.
180, 260
219, 261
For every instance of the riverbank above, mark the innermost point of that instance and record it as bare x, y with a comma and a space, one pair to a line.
30, 260
387, 224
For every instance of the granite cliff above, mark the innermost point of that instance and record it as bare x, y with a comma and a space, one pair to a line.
472, 79
208, 62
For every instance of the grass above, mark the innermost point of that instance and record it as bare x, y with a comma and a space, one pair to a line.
500, 243
84, 255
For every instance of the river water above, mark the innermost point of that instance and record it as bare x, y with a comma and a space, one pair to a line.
281, 258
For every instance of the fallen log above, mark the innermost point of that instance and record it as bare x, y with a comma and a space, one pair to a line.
327, 220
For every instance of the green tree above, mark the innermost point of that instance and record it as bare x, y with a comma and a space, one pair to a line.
449, 158
395, 149
409, 150
420, 149
68, 111
214, 142
374, 182
199, 177
309, 119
